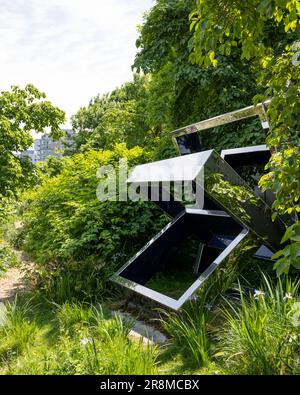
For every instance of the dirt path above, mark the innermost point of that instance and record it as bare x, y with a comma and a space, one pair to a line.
11, 284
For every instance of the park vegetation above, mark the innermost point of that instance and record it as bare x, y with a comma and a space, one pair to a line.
195, 59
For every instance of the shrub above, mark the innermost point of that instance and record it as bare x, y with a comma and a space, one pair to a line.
7, 257
290, 254
77, 240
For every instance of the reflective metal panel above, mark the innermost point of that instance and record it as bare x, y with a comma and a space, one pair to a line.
187, 141
247, 156
224, 119
158, 257
222, 185
227, 219
232, 193
188, 144
181, 168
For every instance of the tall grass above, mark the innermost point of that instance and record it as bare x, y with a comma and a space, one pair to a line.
71, 316
103, 342
188, 329
79, 339
125, 357
260, 335
17, 328
84, 281
255, 332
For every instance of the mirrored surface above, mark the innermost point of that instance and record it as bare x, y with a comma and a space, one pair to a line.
173, 266
174, 263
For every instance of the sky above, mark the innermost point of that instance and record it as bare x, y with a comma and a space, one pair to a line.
70, 49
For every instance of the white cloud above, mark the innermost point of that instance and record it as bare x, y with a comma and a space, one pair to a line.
70, 49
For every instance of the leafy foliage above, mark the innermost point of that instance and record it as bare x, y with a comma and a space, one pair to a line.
290, 255
180, 92
22, 110
266, 31
8, 257
79, 240
51, 167
117, 117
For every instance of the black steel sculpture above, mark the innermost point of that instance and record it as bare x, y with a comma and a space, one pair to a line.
225, 214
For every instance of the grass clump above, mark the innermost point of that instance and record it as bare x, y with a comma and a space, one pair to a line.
17, 329
188, 331
261, 331
245, 332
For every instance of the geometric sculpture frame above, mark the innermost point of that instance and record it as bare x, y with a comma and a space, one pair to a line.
238, 213
134, 279
227, 212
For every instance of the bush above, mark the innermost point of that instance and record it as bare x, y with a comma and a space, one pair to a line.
78, 241
290, 254
8, 257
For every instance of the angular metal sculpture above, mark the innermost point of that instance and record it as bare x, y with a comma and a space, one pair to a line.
225, 214
187, 139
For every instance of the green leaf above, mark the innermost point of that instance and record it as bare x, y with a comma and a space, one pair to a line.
288, 234
282, 266
277, 254
295, 238
296, 264
295, 250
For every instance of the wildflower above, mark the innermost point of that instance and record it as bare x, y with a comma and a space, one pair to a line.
85, 341
292, 338
208, 306
258, 293
287, 296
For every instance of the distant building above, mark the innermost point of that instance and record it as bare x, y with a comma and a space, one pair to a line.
45, 146
30, 154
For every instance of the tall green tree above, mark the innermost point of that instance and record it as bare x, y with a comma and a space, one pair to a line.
116, 117
21, 111
267, 32
181, 92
